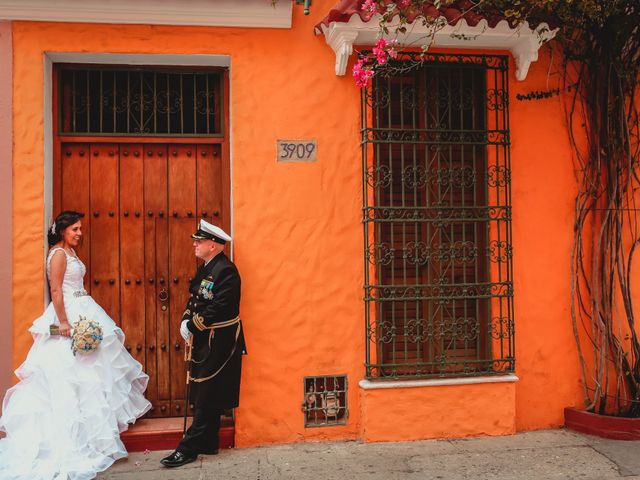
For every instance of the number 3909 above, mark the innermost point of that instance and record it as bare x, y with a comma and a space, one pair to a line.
291, 150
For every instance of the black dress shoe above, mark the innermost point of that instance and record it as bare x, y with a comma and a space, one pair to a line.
213, 451
177, 459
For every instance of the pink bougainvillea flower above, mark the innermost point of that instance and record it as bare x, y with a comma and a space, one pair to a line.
363, 70
362, 74
138, 463
147, 451
381, 43
370, 6
380, 51
391, 49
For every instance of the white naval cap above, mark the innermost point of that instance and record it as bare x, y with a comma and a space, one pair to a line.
207, 231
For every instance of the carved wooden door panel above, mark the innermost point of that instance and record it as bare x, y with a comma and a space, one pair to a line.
141, 204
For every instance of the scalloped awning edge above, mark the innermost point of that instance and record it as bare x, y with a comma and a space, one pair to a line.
522, 41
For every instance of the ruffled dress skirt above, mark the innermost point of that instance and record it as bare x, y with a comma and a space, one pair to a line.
64, 418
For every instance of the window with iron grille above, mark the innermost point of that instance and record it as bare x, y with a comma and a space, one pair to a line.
139, 101
437, 218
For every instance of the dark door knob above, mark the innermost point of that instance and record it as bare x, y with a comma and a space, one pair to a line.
163, 296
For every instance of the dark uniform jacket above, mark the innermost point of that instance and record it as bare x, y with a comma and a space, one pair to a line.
215, 298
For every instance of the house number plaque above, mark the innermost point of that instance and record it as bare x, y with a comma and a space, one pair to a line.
296, 150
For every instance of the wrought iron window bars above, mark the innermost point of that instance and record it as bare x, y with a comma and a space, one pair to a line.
437, 218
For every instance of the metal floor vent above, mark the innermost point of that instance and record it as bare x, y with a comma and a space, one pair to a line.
325, 401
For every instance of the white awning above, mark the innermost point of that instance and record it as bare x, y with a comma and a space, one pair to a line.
522, 41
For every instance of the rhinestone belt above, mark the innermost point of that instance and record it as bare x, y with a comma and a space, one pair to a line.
80, 293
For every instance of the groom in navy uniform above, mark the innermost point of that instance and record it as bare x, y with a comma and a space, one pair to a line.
212, 324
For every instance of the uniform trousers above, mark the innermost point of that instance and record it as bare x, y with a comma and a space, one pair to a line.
202, 435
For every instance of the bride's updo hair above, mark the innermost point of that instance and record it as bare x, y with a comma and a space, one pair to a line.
62, 221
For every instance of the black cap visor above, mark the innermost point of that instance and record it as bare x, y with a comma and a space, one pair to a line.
202, 235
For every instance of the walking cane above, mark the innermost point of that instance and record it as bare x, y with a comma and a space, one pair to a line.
187, 358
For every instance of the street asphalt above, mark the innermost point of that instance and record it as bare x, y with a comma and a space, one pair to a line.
545, 454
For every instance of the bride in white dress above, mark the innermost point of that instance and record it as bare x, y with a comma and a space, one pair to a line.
64, 418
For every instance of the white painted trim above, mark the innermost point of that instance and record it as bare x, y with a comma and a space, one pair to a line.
141, 59
6, 197
48, 165
522, 41
218, 13
230, 142
436, 382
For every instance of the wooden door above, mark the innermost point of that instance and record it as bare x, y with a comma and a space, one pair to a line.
141, 204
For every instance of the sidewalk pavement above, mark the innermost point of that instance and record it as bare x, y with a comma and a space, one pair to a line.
546, 454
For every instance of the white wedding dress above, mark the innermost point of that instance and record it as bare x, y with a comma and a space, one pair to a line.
64, 418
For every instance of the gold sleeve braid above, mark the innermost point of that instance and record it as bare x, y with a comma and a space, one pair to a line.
198, 321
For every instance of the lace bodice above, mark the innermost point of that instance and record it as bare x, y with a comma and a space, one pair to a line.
74, 274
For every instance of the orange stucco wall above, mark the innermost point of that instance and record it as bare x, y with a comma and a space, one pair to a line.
438, 412
298, 232
543, 194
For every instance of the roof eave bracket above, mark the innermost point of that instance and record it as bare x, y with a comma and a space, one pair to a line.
522, 41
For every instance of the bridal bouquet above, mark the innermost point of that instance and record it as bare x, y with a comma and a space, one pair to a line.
86, 335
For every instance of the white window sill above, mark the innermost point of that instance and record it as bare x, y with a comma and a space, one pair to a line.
436, 382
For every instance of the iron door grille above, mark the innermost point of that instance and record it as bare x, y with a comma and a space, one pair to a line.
99, 101
437, 218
